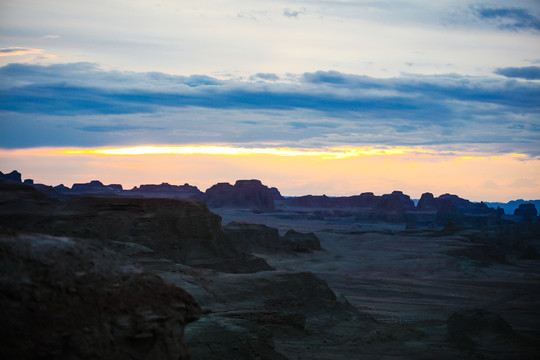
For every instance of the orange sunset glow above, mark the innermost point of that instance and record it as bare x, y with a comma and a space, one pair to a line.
338, 171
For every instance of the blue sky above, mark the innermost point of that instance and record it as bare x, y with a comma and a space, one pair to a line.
452, 76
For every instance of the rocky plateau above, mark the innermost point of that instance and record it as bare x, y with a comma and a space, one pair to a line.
241, 272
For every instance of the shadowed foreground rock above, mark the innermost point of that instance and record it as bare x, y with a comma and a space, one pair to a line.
483, 329
182, 230
64, 299
301, 242
253, 238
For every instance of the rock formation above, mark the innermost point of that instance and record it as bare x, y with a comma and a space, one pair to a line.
301, 242
447, 211
526, 210
95, 187
66, 299
427, 203
276, 194
245, 194
465, 206
182, 230
253, 238
481, 328
165, 190
392, 207
14, 176
364, 200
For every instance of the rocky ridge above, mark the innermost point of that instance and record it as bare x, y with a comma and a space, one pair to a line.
66, 298
181, 230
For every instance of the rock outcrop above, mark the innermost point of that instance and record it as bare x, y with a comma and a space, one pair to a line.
427, 203
245, 194
166, 190
63, 298
465, 206
526, 210
481, 328
182, 230
95, 187
364, 200
276, 194
253, 238
14, 176
392, 207
218, 338
301, 242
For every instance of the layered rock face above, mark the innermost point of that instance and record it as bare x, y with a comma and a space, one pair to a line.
182, 230
253, 238
245, 194
66, 299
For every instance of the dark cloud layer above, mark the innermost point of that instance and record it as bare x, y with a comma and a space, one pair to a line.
13, 50
265, 76
528, 72
510, 18
73, 104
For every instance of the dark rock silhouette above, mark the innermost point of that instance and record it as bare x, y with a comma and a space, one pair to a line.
62, 189
14, 176
465, 206
392, 207
245, 194
511, 206
526, 210
481, 328
364, 200
427, 203
447, 211
253, 238
276, 194
21, 197
301, 242
66, 299
165, 190
95, 187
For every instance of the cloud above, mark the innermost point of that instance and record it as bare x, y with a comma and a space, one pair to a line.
292, 13
59, 104
308, 124
265, 76
116, 128
528, 72
51, 37
509, 18
330, 77
13, 51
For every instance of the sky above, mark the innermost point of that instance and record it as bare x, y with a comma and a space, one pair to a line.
312, 97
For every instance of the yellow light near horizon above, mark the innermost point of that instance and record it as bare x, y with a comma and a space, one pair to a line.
331, 153
333, 171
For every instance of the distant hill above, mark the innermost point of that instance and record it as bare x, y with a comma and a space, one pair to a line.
511, 206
